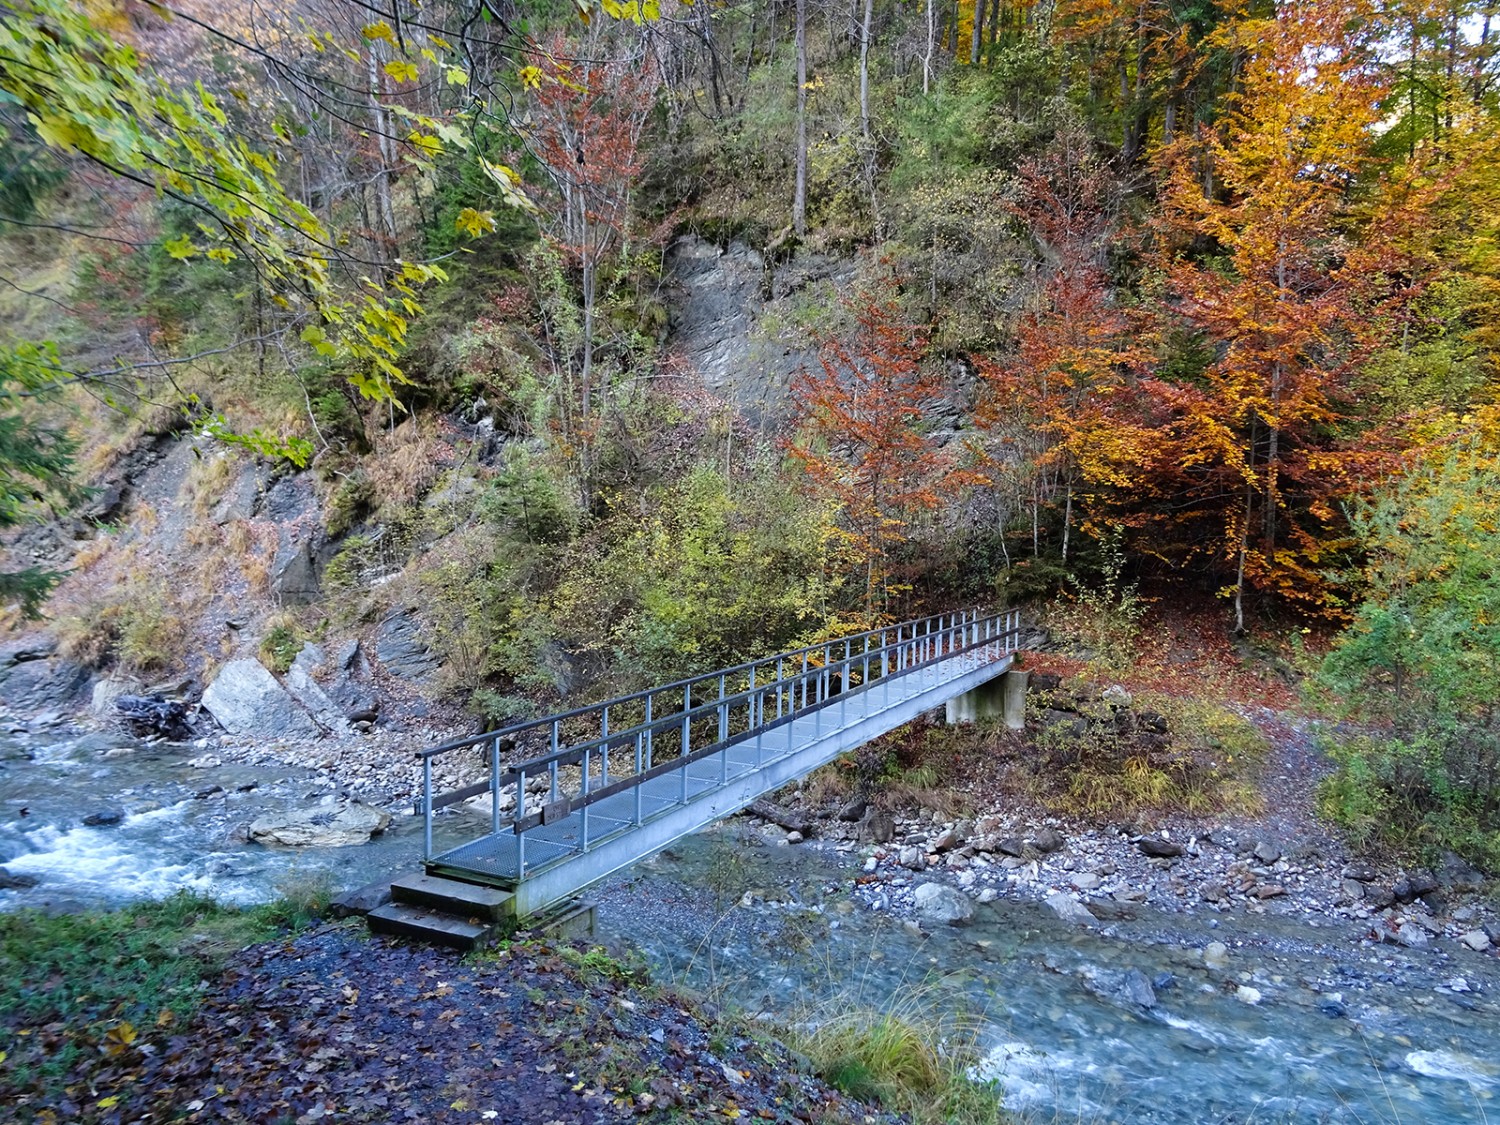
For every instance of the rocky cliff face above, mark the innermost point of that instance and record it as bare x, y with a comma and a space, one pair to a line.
746, 324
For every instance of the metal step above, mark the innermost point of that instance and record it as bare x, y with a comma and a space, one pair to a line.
467, 900
431, 926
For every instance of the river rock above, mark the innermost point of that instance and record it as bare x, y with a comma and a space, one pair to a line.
877, 827
325, 826
1455, 872
1361, 872
1247, 995
1069, 909
9, 882
1129, 988
1378, 898
1216, 955
1013, 846
1411, 935
1159, 848
104, 818
246, 700
913, 858
1477, 940
1267, 852
1087, 881
942, 904
1414, 886
1116, 696
1049, 840
853, 810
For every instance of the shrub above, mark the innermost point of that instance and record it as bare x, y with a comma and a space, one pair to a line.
281, 644
1419, 666
141, 628
909, 1053
1103, 620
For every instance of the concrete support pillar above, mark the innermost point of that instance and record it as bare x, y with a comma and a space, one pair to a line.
1015, 698
1004, 697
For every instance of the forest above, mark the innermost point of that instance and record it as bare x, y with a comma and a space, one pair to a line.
1088, 304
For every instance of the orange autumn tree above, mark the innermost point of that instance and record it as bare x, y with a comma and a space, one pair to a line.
860, 437
1064, 401
1301, 279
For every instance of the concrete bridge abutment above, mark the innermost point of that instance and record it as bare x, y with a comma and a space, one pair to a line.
1004, 697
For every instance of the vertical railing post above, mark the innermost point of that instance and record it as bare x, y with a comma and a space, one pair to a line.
638, 785
780, 687
723, 713
649, 730
427, 809
494, 787
520, 812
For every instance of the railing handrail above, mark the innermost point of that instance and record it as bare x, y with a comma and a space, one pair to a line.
563, 716
531, 820
947, 635
674, 719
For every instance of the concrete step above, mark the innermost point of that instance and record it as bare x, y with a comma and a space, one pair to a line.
431, 926
467, 900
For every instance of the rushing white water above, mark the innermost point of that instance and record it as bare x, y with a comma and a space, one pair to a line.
173, 826
110, 863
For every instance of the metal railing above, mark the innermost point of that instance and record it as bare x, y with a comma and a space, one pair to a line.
604, 749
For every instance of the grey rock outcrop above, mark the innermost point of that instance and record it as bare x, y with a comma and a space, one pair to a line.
400, 649
245, 699
33, 677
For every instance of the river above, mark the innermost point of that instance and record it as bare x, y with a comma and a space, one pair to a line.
1302, 1024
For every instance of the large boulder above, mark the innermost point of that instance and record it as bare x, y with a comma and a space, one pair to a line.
246, 700
310, 694
942, 905
336, 825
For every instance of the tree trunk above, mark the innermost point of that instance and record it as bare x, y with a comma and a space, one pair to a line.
974, 44
386, 146
864, 70
799, 197
931, 36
